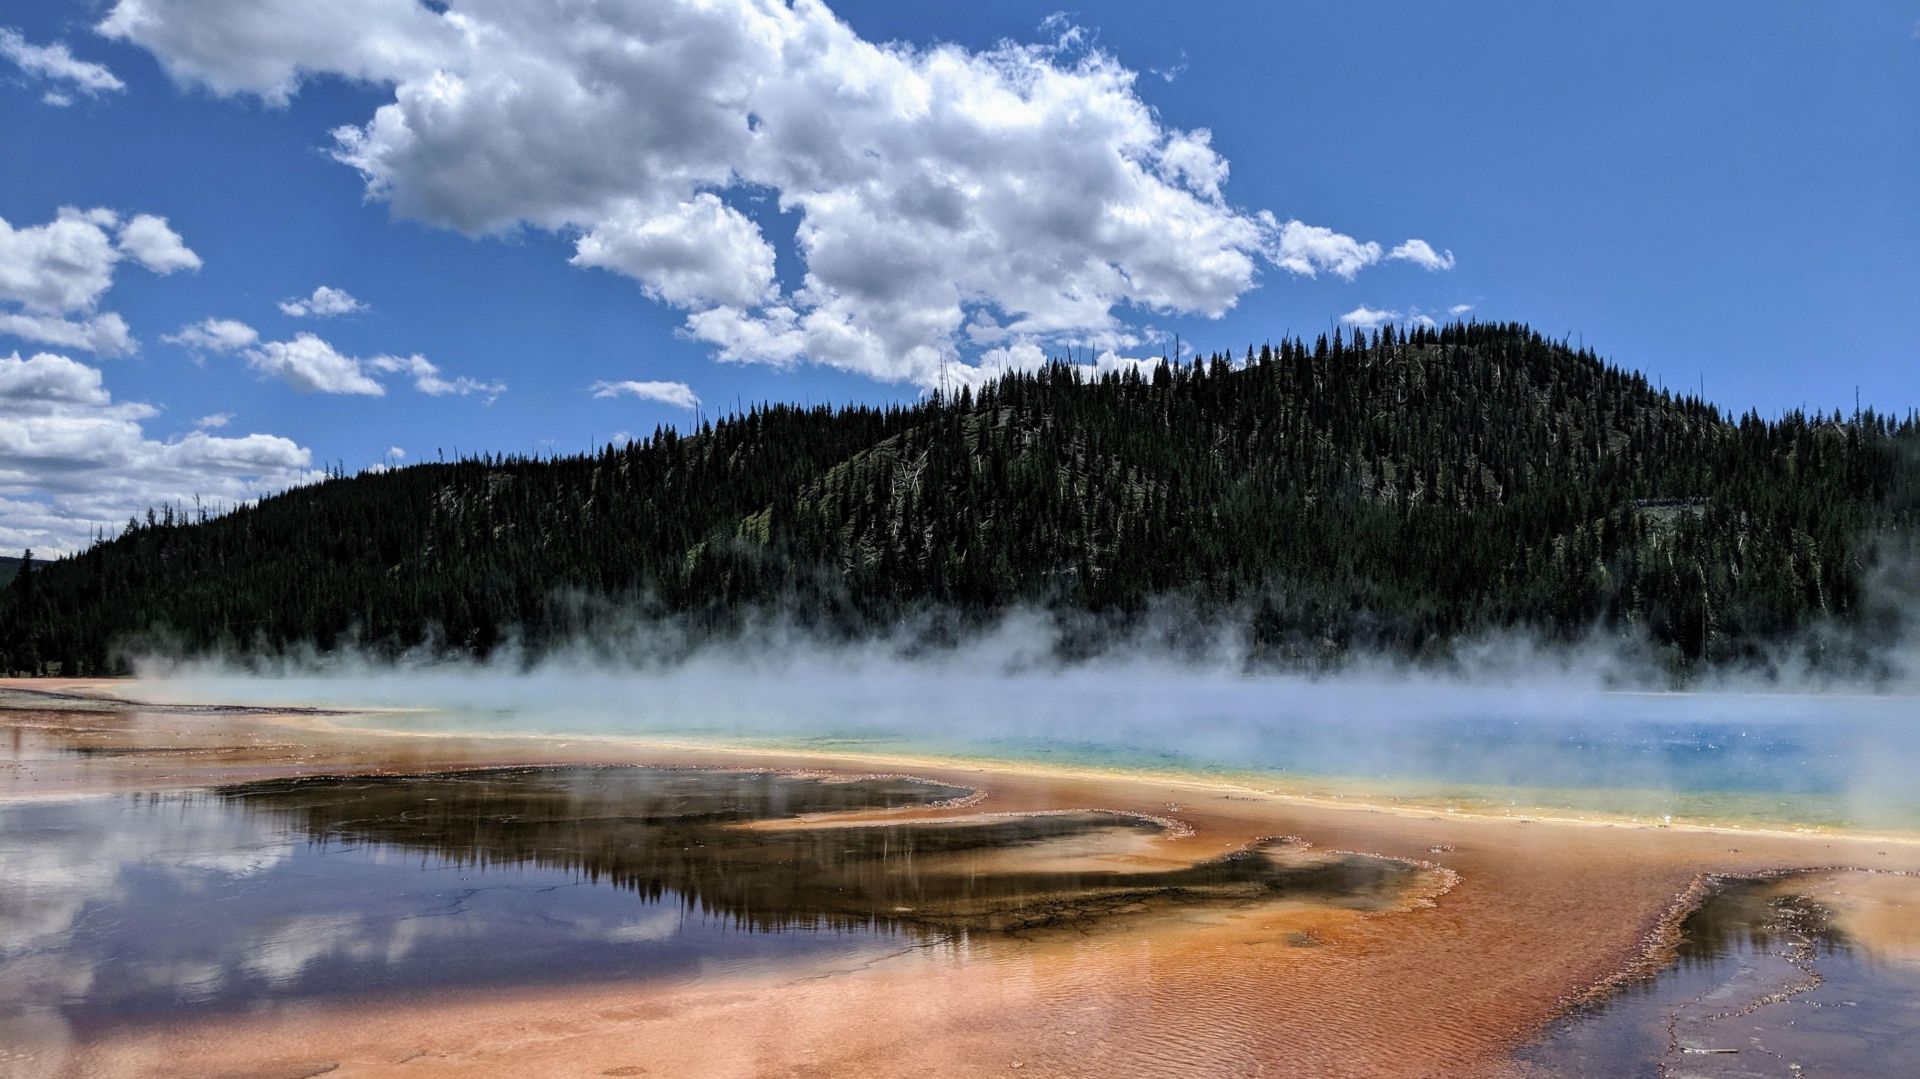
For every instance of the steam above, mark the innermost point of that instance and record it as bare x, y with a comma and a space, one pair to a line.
1504, 721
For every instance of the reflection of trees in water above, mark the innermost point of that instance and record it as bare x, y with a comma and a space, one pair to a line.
1763, 975
656, 831
1756, 914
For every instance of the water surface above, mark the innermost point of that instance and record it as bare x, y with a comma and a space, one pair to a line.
1833, 760
250, 896
1809, 974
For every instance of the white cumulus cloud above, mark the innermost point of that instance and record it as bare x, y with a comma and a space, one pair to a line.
1422, 254
677, 394
47, 379
73, 461
1369, 318
53, 276
64, 265
925, 186
214, 335
326, 302
699, 253
1309, 250
150, 242
106, 334
266, 48
311, 365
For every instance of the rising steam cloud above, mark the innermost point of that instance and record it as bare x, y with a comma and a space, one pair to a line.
1506, 721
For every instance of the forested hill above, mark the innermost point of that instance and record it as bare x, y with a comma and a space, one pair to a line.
1391, 492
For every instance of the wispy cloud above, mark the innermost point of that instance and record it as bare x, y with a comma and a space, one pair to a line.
56, 64
677, 394
311, 364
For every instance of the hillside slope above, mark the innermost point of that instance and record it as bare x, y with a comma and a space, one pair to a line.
1392, 492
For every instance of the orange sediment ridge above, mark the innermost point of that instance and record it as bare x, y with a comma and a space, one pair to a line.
1526, 916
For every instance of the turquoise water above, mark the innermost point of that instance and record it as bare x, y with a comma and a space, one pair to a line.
1826, 760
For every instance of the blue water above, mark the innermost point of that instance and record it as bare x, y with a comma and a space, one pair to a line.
1764, 973
127, 907
1817, 759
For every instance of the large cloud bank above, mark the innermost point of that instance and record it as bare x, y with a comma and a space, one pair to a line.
74, 461
945, 205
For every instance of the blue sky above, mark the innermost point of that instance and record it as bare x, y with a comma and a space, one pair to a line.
1711, 192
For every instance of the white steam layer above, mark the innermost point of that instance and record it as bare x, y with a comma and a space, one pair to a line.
1510, 721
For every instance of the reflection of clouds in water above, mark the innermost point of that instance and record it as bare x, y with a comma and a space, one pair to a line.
41, 981
56, 872
281, 952
67, 863
662, 924
197, 871
191, 898
188, 976
38, 852
169, 909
